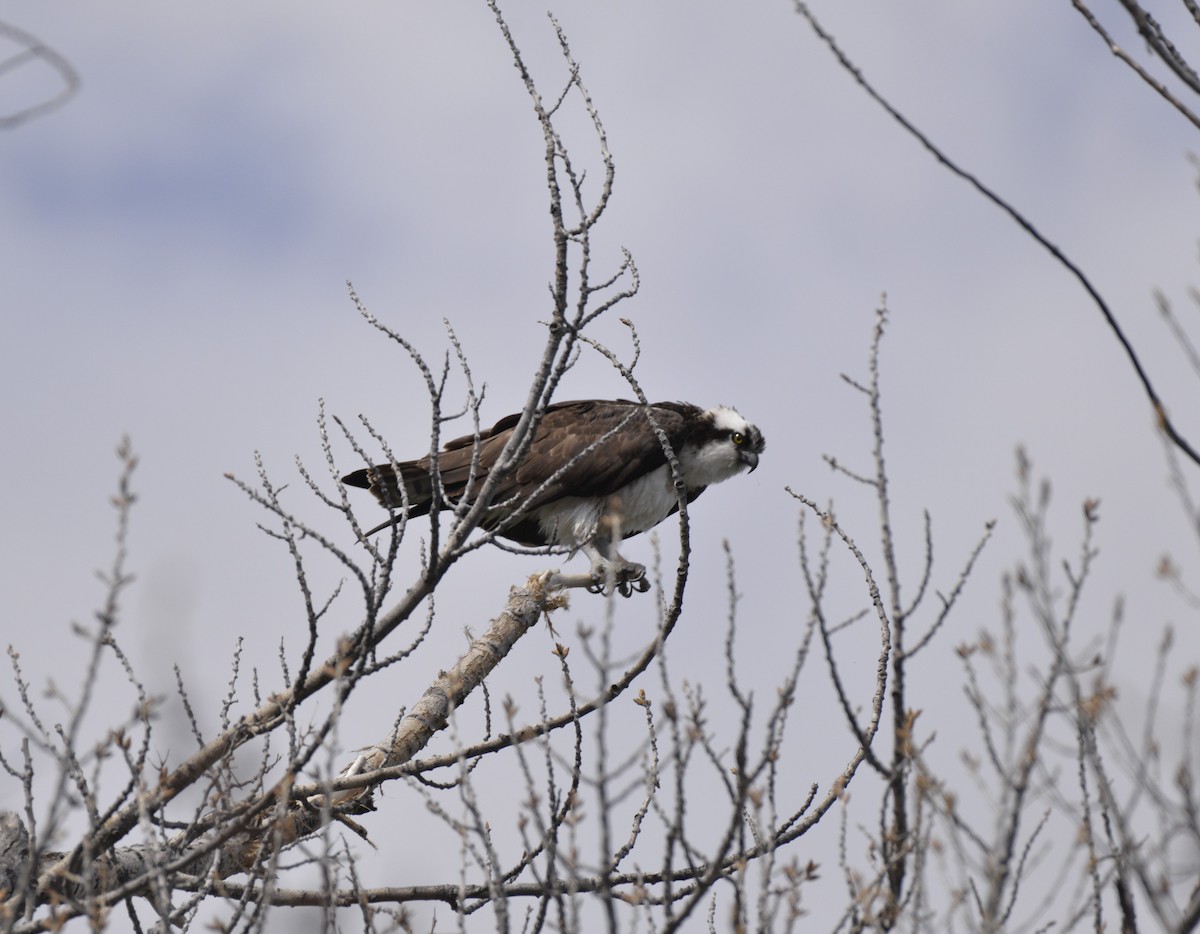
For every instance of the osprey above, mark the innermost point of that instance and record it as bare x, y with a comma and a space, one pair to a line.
594, 474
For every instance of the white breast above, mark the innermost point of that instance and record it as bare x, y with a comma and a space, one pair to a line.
574, 520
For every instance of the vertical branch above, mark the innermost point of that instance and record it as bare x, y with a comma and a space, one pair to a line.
894, 838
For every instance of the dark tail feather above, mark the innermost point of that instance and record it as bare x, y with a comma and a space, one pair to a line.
387, 523
381, 481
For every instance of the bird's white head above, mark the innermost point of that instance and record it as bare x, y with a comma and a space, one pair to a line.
723, 445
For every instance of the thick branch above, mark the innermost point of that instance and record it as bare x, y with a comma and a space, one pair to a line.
127, 870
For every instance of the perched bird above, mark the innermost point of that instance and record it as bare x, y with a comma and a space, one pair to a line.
594, 474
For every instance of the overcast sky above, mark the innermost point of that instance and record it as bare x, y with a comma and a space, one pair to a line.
175, 245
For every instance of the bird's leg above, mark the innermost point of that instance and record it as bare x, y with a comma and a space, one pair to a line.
610, 571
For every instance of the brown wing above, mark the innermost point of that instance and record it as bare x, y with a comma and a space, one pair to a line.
590, 447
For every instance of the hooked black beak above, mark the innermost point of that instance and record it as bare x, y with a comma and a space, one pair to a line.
750, 459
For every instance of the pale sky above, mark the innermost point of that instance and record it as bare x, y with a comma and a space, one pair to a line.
175, 245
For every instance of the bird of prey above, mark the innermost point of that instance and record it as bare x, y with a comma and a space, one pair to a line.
595, 473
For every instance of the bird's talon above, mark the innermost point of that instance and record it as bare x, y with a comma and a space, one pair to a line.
623, 578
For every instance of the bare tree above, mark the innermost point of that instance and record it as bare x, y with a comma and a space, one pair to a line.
629, 803
1070, 816
260, 800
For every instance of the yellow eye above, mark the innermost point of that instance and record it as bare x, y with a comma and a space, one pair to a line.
738, 438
